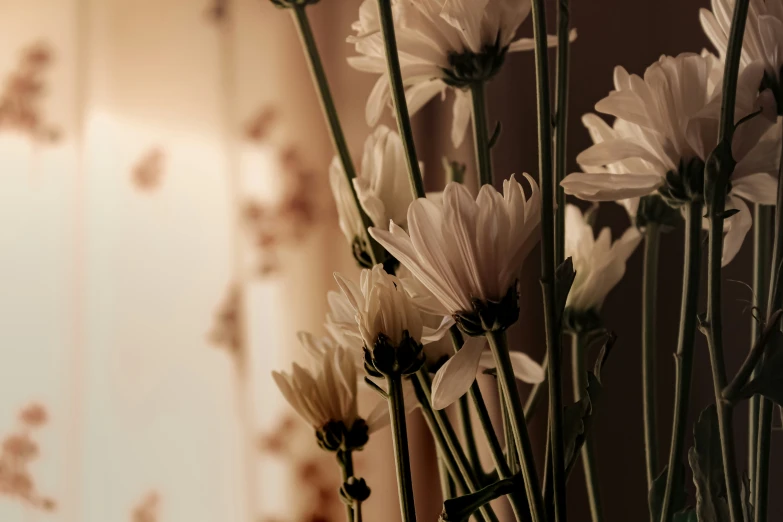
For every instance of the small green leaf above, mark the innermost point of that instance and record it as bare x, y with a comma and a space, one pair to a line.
706, 461
603, 354
564, 278
689, 515
658, 490
576, 421
747, 507
460, 509
769, 381
493, 140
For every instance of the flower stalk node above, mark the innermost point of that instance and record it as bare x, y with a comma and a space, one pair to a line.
337, 437
490, 316
468, 68
387, 360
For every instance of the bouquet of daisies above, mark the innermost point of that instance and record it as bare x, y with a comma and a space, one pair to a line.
692, 143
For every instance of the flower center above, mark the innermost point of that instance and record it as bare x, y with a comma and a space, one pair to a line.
468, 68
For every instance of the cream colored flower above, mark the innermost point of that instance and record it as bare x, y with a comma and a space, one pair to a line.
442, 44
327, 392
344, 323
763, 40
670, 126
598, 262
464, 250
381, 184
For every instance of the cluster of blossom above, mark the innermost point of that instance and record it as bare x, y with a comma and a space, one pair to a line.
449, 261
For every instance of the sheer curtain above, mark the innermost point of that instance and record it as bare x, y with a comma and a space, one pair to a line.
166, 229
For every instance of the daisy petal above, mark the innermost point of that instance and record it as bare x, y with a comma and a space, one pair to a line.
525, 368
610, 187
455, 377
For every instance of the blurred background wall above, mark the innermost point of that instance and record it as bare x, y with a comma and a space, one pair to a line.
166, 228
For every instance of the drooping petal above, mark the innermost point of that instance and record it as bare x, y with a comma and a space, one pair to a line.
610, 187
756, 188
525, 368
455, 377
462, 117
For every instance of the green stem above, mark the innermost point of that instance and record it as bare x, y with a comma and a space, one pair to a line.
398, 96
561, 123
518, 504
499, 346
537, 393
684, 355
774, 302
400, 440
512, 458
589, 461
345, 458
762, 258
447, 486
720, 167
469, 436
553, 337
467, 478
332, 119
763, 446
649, 296
480, 136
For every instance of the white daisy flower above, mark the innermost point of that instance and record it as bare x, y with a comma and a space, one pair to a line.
598, 262
325, 394
468, 253
671, 119
442, 44
763, 40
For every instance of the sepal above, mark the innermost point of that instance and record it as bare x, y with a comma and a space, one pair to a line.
385, 359
490, 316
336, 436
354, 490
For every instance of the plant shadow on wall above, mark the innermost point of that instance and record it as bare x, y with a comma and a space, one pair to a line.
693, 142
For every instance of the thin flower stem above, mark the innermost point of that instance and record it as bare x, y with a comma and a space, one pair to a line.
398, 96
589, 461
652, 237
537, 393
774, 302
512, 458
465, 476
446, 482
345, 459
553, 334
332, 119
499, 347
357, 511
762, 258
763, 446
518, 504
719, 168
561, 122
468, 435
684, 356
480, 135
400, 440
